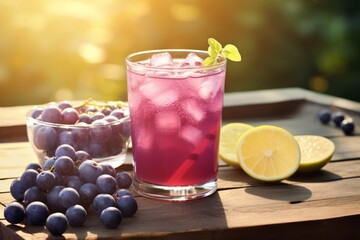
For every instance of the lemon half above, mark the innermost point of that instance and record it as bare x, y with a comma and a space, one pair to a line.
268, 153
316, 152
229, 136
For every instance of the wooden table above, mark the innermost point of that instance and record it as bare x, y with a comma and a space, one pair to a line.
323, 205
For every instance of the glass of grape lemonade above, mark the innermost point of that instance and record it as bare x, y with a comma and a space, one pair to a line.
176, 111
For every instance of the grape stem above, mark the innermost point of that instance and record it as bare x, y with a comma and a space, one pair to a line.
101, 104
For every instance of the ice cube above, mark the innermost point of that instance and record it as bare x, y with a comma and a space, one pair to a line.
145, 139
167, 121
151, 88
165, 98
192, 60
159, 92
210, 88
191, 134
161, 60
194, 110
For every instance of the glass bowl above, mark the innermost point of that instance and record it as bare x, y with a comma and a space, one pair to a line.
102, 129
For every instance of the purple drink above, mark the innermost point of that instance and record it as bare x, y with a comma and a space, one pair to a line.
175, 110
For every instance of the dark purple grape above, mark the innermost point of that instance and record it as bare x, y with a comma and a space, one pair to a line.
36, 112
106, 184
14, 213
111, 217
123, 179
114, 124
74, 182
122, 192
82, 156
66, 137
64, 104
65, 150
337, 118
45, 137
88, 192
16, 190
89, 171
127, 205
85, 118
100, 131
76, 215
70, 116
35, 166
98, 150
57, 224
68, 197
97, 116
110, 119
59, 178
102, 201
118, 113
33, 194
28, 178
49, 163
347, 126
116, 145
37, 213
81, 133
125, 129
106, 111
64, 165
324, 116
108, 169
52, 199
51, 114
46, 180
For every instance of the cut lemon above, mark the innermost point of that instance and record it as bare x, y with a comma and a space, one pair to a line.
268, 153
229, 136
316, 152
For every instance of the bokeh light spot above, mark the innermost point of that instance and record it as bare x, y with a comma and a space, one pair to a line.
318, 84
91, 53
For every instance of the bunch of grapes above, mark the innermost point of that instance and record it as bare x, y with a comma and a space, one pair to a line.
65, 188
99, 128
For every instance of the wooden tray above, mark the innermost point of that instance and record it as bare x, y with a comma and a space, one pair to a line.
323, 205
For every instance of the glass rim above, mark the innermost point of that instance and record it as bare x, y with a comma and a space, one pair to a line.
131, 63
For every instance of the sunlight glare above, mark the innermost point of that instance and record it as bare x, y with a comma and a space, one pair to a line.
92, 53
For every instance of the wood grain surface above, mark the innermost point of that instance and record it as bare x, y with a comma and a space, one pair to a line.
320, 205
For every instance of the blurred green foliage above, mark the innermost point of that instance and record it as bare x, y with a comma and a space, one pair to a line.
53, 50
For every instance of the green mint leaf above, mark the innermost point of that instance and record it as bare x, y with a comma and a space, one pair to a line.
231, 52
214, 47
209, 61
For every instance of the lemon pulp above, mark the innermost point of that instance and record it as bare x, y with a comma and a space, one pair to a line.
316, 152
268, 153
229, 136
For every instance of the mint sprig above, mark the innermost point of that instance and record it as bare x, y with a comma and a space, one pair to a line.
215, 50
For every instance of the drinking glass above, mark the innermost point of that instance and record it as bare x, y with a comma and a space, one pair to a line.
176, 111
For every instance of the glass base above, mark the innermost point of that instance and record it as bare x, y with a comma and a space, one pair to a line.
174, 193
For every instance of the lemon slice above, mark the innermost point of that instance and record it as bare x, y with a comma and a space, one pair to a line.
268, 153
316, 152
229, 136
